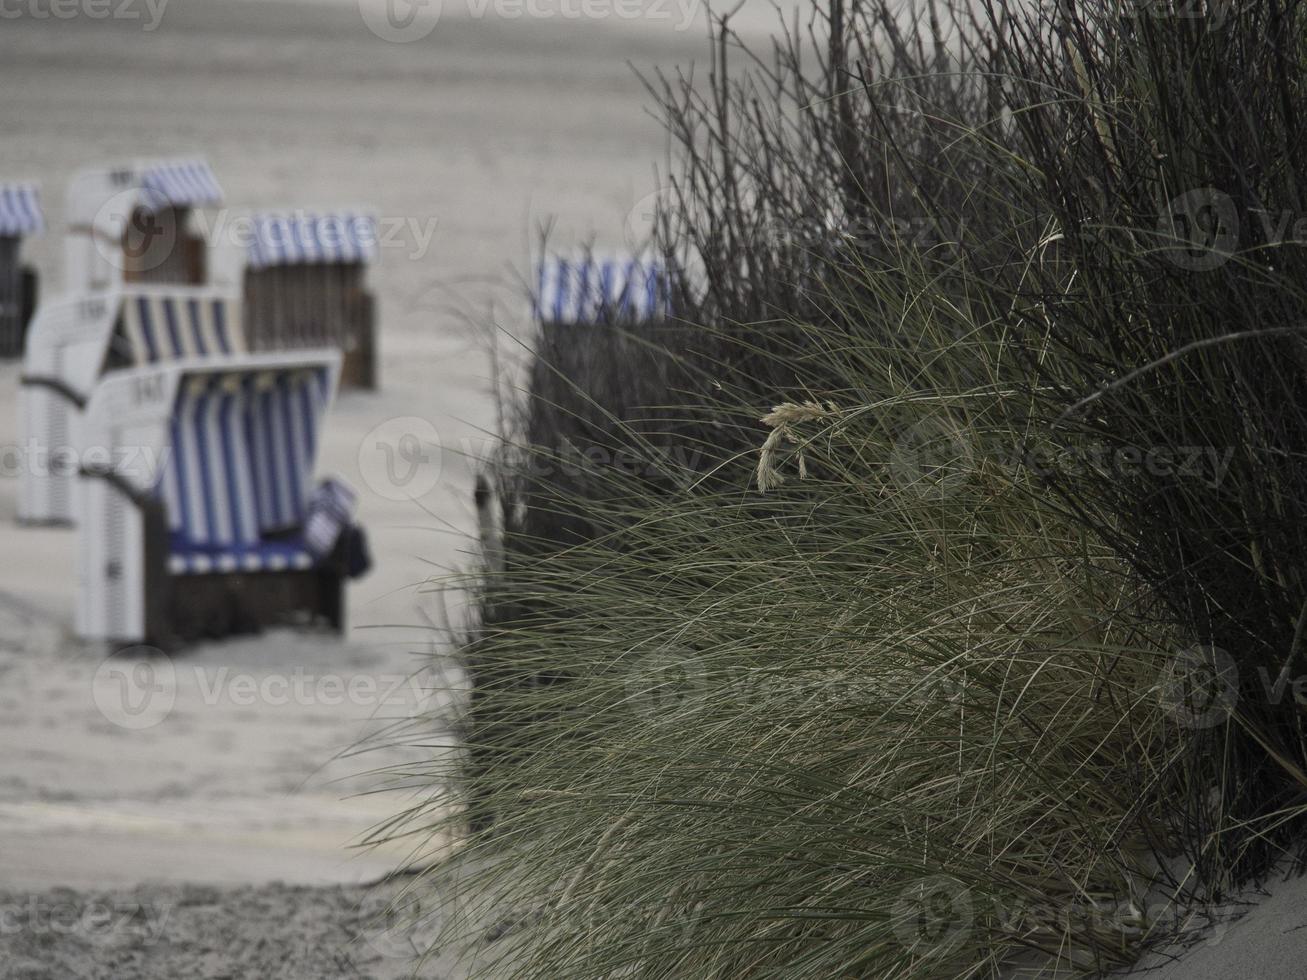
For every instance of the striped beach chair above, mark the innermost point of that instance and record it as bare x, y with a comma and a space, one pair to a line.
306, 286
593, 290
76, 339
131, 223
20, 217
195, 478
572, 377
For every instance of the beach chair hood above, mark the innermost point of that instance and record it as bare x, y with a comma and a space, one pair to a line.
104, 198
100, 204
311, 237
588, 289
20, 210
72, 337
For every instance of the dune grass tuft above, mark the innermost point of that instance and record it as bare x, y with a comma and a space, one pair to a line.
898, 678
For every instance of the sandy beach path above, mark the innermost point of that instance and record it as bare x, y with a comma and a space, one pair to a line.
461, 144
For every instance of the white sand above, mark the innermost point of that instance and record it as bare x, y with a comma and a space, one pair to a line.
1262, 936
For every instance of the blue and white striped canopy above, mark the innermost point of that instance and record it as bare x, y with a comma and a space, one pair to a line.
304, 238
180, 184
591, 290
20, 210
244, 445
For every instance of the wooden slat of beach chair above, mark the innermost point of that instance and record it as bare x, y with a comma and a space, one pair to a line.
281, 313
351, 292
313, 336
11, 297
303, 320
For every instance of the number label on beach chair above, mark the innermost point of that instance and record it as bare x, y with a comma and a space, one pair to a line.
148, 390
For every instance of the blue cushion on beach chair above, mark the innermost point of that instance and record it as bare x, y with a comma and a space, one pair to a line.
266, 556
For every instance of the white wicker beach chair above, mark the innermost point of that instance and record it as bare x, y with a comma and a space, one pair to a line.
195, 479
76, 339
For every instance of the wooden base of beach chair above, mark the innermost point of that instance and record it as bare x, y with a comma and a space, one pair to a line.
200, 607
210, 607
358, 367
182, 609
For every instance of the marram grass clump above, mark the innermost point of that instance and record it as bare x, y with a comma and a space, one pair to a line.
858, 691
898, 715
882, 721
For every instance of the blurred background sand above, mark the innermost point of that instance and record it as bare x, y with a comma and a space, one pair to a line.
464, 144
